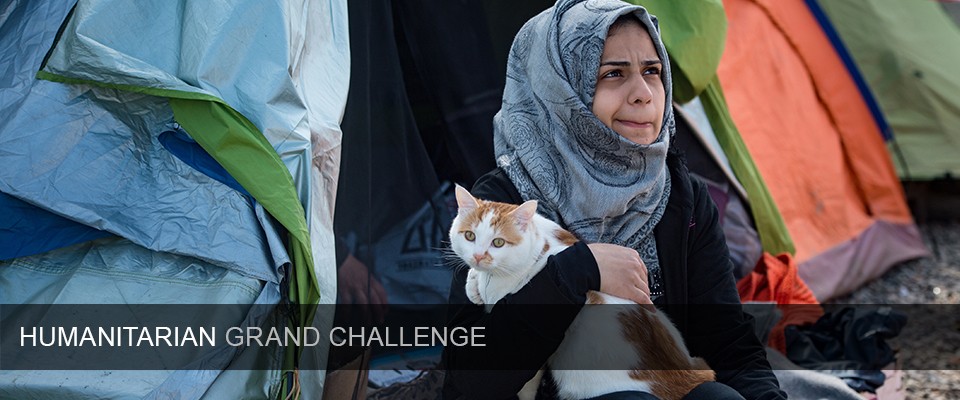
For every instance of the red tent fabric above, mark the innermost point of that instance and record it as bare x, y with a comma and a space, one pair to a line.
776, 279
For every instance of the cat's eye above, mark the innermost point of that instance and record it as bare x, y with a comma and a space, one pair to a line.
499, 242
469, 235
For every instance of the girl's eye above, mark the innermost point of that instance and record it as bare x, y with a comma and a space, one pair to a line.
499, 242
470, 236
613, 74
652, 71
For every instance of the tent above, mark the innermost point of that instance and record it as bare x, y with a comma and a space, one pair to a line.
188, 155
907, 54
816, 145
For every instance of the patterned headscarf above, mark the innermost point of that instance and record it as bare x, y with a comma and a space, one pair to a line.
599, 185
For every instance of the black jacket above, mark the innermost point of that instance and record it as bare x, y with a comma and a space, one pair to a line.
700, 297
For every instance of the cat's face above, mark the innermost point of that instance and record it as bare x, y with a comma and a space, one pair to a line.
493, 237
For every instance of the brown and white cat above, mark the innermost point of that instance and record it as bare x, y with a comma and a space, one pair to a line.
505, 245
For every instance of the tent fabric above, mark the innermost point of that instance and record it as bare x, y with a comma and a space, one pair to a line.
84, 144
858, 78
906, 50
384, 160
297, 113
125, 273
696, 116
94, 50
818, 148
181, 145
80, 150
150, 196
777, 280
27, 230
882, 244
453, 101
774, 235
410, 127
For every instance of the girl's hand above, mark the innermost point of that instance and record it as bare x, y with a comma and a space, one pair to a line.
622, 272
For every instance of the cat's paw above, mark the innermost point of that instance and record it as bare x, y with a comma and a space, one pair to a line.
473, 288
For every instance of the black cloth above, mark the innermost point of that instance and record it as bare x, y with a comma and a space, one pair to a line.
700, 297
423, 91
453, 84
849, 338
385, 170
849, 343
713, 391
626, 395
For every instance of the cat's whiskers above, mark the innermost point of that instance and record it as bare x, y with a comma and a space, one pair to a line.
458, 265
450, 258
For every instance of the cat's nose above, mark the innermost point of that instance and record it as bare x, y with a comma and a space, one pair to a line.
477, 257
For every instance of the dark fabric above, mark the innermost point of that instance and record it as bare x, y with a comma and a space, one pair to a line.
859, 380
423, 91
851, 338
850, 343
182, 146
26, 229
626, 395
453, 83
713, 391
698, 158
696, 271
385, 171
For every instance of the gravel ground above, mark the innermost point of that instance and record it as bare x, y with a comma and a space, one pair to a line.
930, 343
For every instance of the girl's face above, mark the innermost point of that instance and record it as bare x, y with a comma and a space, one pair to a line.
630, 95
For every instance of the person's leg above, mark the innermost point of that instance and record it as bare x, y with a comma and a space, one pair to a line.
713, 391
625, 395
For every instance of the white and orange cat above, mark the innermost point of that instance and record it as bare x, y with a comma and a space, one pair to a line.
505, 245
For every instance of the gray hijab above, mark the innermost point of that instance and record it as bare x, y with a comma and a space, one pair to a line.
599, 185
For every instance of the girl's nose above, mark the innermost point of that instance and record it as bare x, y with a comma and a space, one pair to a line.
640, 93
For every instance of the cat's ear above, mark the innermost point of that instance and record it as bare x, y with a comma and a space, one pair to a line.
465, 201
524, 213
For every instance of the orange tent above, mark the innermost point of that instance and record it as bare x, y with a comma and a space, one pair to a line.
816, 145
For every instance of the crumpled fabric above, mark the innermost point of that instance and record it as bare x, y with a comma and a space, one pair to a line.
850, 343
777, 279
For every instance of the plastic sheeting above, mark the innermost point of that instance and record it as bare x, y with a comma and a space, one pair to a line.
91, 154
257, 60
117, 271
25, 229
97, 163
